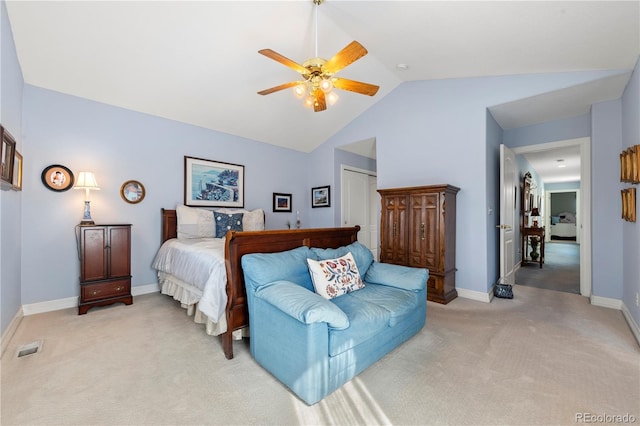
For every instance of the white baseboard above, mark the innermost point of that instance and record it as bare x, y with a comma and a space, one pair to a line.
145, 289
474, 295
72, 302
49, 306
606, 302
10, 331
635, 329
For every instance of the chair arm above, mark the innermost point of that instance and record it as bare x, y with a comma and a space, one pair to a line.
302, 304
404, 277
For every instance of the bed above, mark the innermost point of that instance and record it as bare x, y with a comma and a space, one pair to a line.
563, 226
228, 281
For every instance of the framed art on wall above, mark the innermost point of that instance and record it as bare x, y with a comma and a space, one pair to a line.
281, 202
213, 183
321, 196
7, 156
16, 181
57, 178
132, 191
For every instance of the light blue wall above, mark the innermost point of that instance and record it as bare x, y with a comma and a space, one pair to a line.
631, 231
118, 145
432, 132
551, 131
11, 83
606, 229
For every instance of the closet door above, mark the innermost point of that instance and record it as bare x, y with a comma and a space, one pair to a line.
423, 231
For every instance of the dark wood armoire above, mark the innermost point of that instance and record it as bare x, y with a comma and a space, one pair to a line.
418, 228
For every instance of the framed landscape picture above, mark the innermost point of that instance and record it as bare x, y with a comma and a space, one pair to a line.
281, 202
213, 183
321, 196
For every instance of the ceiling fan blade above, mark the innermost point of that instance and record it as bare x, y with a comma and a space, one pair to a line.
346, 56
278, 88
283, 60
355, 86
321, 103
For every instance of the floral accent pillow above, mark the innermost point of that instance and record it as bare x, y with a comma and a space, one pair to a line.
334, 277
225, 222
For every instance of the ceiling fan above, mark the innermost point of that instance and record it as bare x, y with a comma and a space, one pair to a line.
318, 80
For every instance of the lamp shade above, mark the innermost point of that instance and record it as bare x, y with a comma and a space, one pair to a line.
535, 212
86, 180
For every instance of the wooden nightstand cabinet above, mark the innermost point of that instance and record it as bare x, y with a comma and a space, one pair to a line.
105, 265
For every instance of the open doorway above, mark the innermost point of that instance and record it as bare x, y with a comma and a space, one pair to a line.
565, 263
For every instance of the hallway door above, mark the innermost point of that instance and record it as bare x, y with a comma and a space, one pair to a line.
508, 185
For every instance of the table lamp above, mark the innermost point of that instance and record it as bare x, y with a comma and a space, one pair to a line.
86, 181
535, 214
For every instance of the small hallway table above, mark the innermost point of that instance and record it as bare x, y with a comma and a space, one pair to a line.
531, 233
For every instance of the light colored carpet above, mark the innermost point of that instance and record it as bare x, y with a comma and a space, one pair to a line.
542, 358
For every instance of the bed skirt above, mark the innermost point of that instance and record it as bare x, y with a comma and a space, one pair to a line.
188, 296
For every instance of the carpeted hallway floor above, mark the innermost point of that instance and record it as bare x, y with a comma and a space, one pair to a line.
560, 271
542, 358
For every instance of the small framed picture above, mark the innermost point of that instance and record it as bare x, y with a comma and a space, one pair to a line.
57, 178
281, 202
7, 157
321, 196
16, 182
132, 191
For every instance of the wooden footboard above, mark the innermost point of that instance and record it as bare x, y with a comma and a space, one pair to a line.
240, 243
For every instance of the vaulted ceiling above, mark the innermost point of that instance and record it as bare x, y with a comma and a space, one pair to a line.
197, 61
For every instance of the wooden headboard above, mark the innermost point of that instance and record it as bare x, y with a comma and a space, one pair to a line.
169, 225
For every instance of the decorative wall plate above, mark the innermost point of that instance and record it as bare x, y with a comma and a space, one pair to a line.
132, 191
57, 178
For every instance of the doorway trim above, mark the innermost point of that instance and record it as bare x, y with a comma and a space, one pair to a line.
585, 201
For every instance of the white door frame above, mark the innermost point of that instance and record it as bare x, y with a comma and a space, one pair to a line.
584, 231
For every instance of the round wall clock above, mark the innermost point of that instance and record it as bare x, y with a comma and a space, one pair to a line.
132, 191
57, 178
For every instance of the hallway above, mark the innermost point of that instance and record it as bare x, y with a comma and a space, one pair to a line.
560, 272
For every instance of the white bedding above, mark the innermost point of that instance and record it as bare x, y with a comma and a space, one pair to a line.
564, 230
198, 264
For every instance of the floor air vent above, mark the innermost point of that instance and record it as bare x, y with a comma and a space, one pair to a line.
30, 349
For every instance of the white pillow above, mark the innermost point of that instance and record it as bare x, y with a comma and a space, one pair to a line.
334, 277
195, 223
251, 221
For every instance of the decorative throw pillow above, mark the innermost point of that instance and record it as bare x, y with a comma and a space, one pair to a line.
194, 222
334, 277
226, 222
253, 220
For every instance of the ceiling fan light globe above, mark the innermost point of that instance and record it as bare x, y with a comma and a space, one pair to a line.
300, 90
332, 98
309, 101
326, 85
